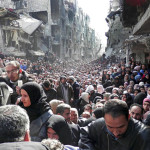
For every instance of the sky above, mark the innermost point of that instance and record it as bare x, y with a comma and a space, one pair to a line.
98, 11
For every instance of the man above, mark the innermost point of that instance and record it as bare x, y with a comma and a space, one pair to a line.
64, 110
65, 91
14, 129
74, 115
136, 111
15, 74
76, 89
116, 131
49, 91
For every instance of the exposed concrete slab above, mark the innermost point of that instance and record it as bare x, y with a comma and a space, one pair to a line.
143, 26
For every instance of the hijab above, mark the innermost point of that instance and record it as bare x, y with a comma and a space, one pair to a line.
61, 127
38, 100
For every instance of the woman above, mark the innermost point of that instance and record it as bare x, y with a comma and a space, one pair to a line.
33, 100
128, 99
58, 128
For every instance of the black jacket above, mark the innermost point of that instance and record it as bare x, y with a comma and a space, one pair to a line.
96, 137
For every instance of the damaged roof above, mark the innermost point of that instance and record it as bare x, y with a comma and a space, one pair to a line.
28, 24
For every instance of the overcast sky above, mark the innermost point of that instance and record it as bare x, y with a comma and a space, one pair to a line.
98, 11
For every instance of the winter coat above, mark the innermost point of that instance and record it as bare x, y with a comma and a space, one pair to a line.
60, 92
96, 137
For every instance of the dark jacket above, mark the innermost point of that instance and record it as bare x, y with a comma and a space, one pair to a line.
51, 94
60, 92
96, 137
23, 146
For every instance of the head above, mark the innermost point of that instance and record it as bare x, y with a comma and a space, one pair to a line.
71, 79
63, 79
58, 128
46, 85
14, 124
54, 103
136, 111
64, 110
13, 70
88, 108
146, 105
74, 115
116, 117
86, 114
31, 93
53, 144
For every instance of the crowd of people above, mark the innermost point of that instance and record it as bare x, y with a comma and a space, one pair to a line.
75, 105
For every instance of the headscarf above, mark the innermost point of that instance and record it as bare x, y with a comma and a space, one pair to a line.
61, 127
38, 100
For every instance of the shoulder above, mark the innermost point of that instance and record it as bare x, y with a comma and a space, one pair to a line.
23, 146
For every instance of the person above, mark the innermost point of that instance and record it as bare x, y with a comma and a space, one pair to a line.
65, 111
136, 111
33, 100
74, 115
14, 75
54, 103
65, 91
58, 128
76, 89
146, 105
4, 94
115, 131
49, 91
14, 129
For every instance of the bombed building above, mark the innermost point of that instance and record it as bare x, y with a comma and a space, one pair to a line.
128, 34
55, 28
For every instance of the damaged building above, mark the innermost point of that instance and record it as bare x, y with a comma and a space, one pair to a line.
129, 32
53, 27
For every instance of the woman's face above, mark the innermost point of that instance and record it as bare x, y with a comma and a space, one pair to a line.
52, 134
25, 98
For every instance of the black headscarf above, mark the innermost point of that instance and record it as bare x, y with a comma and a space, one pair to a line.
38, 100
61, 127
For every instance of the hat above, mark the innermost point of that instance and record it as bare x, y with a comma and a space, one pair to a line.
46, 84
146, 100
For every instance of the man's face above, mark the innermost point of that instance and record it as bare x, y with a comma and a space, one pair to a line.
63, 81
74, 117
12, 73
136, 112
117, 126
146, 106
66, 115
88, 109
